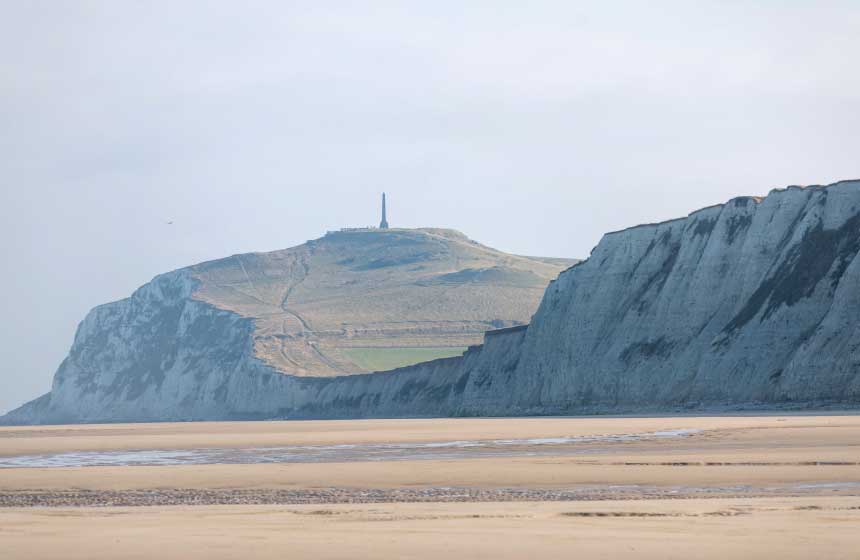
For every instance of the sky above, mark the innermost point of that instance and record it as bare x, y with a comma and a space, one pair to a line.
533, 127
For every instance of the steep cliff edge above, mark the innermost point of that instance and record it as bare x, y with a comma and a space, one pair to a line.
245, 336
753, 303
756, 302
159, 354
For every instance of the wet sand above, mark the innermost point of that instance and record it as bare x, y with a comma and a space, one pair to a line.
21, 440
785, 486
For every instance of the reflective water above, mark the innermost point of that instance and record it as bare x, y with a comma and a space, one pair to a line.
335, 453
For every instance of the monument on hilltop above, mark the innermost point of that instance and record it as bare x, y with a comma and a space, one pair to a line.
384, 223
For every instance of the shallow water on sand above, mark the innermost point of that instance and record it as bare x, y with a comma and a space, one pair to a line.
460, 449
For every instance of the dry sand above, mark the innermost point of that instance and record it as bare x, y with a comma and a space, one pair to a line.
776, 486
683, 529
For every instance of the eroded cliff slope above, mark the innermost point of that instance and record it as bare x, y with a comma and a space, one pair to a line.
753, 303
234, 338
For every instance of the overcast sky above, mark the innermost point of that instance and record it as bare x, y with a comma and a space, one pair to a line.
533, 127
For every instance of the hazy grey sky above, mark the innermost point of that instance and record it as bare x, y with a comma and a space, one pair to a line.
533, 127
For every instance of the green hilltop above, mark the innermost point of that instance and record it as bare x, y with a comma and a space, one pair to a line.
371, 299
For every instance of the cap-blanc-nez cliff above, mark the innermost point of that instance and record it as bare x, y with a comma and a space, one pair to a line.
219, 339
750, 304
746, 305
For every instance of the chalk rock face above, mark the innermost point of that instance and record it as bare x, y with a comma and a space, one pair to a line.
756, 301
461, 385
156, 355
162, 355
750, 304
753, 303
252, 336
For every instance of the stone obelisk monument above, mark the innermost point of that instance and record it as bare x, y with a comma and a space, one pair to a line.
384, 223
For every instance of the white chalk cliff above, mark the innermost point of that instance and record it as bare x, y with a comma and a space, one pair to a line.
753, 303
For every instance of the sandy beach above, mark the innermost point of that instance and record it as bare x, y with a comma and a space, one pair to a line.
679, 487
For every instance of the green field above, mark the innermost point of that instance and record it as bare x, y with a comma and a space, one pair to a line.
380, 359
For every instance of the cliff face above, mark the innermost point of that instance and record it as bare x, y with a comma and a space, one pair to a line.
158, 354
754, 301
462, 385
251, 336
751, 303
161, 355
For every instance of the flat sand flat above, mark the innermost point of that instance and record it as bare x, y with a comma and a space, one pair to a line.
729, 486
